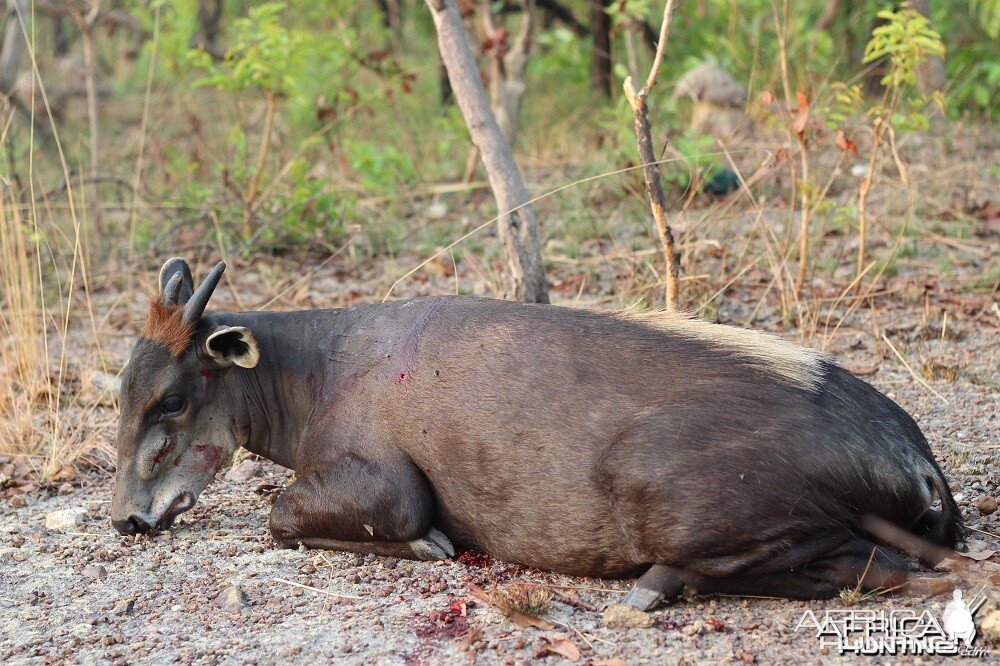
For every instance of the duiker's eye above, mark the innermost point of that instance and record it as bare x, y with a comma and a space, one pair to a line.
172, 405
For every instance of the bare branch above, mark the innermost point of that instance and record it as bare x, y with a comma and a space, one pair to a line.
651, 172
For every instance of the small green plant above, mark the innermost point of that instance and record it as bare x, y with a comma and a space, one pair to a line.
265, 56
383, 168
904, 41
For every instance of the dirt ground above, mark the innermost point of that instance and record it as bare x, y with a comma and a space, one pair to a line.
217, 590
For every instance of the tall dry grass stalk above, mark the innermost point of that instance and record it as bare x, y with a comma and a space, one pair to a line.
43, 266
25, 382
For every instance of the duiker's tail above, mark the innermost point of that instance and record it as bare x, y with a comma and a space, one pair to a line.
945, 528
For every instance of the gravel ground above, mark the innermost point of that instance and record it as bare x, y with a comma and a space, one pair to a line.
217, 590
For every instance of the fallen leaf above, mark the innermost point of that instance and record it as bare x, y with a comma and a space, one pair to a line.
479, 593
980, 553
525, 621
859, 370
65, 473
563, 647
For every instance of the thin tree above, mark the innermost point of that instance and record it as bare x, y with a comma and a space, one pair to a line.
518, 228
601, 78
650, 170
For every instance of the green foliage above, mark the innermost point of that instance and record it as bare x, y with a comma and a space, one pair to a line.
905, 40
987, 13
620, 12
740, 36
560, 57
382, 167
847, 99
264, 54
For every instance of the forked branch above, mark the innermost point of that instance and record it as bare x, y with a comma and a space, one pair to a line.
650, 170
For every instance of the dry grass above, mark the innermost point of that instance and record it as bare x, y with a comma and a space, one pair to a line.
939, 371
25, 383
44, 262
526, 599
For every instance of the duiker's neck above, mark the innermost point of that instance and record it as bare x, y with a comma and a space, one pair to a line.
274, 400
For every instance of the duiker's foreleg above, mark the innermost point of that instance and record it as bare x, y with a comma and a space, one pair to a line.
384, 507
432, 546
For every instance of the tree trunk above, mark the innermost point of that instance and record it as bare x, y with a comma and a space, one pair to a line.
509, 71
210, 18
517, 226
601, 79
14, 47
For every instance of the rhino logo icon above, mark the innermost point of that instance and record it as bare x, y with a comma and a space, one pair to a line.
957, 618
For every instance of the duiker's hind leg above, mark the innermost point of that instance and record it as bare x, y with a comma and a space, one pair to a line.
660, 583
856, 563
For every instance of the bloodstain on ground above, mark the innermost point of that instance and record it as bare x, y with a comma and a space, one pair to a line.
474, 558
450, 622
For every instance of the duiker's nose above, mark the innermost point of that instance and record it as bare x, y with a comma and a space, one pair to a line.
134, 525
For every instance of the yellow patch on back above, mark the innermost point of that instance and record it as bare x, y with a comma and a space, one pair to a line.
796, 364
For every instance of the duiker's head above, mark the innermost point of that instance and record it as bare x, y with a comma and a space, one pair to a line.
178, 424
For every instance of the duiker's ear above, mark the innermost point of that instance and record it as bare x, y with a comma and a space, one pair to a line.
232, 345
177, 292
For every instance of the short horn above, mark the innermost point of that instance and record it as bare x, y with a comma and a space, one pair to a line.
172, 267
195, 307
172, 290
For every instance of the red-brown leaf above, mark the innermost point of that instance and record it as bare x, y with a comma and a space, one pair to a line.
846, 145
802, 115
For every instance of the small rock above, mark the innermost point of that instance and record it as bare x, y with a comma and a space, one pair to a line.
233, 598
436, 211
990, 626
105, 381
988, 505
65, 519
94, 572
124, 607
241, 471
696, 627
626, 617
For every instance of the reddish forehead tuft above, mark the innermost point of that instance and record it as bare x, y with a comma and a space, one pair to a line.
165, 327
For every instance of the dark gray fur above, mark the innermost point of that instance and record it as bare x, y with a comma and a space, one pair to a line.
558, 438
